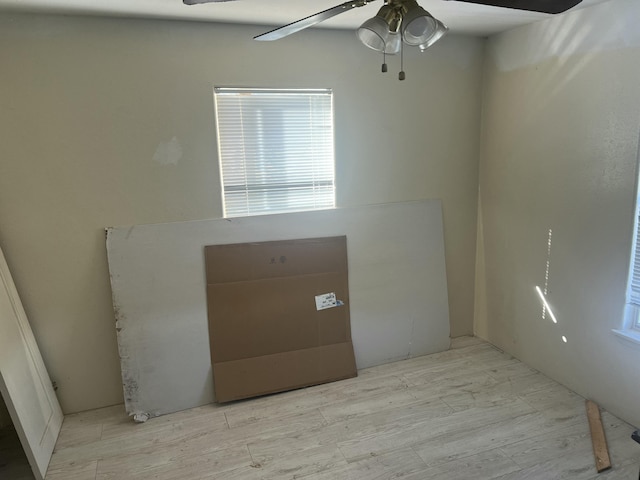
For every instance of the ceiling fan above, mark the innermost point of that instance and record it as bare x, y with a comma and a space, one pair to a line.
400, 22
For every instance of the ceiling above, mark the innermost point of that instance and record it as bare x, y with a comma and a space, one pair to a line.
462, 18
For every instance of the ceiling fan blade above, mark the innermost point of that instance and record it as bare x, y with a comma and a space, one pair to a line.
311, 20
544, 6
196, 2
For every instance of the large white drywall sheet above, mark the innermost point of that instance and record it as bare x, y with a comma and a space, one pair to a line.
397, 287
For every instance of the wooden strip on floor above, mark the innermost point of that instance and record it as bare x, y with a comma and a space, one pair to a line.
600, 450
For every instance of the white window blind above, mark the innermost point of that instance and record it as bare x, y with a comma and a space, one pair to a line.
634, 275
276, 150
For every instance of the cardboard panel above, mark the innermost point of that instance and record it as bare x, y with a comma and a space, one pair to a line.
254, 261
283, 371
253, 318
262, 311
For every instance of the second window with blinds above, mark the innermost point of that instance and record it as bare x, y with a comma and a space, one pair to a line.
633, 293
275, 149
631, 325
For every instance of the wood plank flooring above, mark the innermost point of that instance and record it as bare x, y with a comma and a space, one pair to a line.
472, 412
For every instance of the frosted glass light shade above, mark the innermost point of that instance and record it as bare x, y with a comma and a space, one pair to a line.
381, 32
418, 26
440, 32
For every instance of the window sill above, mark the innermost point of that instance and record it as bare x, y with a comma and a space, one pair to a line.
630, 335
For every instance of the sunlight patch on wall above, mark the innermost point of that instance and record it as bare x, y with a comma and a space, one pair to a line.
543, 292
546, 306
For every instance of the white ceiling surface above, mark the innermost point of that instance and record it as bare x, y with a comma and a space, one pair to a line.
460, 17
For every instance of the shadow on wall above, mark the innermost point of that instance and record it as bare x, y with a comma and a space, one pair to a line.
561, 116
560, 40
537, 67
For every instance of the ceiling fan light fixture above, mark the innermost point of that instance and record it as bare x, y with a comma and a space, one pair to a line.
381, 33
440, 32
375, 34
418, 25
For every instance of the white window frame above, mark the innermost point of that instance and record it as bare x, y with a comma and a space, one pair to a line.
275, 150
631, 323
632, 308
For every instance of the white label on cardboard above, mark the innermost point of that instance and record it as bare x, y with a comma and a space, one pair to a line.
326, 300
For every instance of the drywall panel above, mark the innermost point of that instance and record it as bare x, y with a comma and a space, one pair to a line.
397, 285
558, 185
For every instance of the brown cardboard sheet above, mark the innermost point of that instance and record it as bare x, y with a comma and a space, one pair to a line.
266, 333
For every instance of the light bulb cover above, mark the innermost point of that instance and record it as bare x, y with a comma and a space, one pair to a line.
418, 25
440, 32
381, 33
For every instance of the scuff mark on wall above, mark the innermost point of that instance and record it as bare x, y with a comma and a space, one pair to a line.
413, 326
129, 232
130, 387
168, 153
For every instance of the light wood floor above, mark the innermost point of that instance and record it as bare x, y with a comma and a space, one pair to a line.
472, 412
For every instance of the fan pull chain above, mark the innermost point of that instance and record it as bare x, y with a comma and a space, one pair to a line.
384, 60
401, 75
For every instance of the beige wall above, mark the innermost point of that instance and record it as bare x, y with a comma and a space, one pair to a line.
561, 119
86, 104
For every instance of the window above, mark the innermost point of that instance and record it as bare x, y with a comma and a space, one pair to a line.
633, 295
276, 150
631, 327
